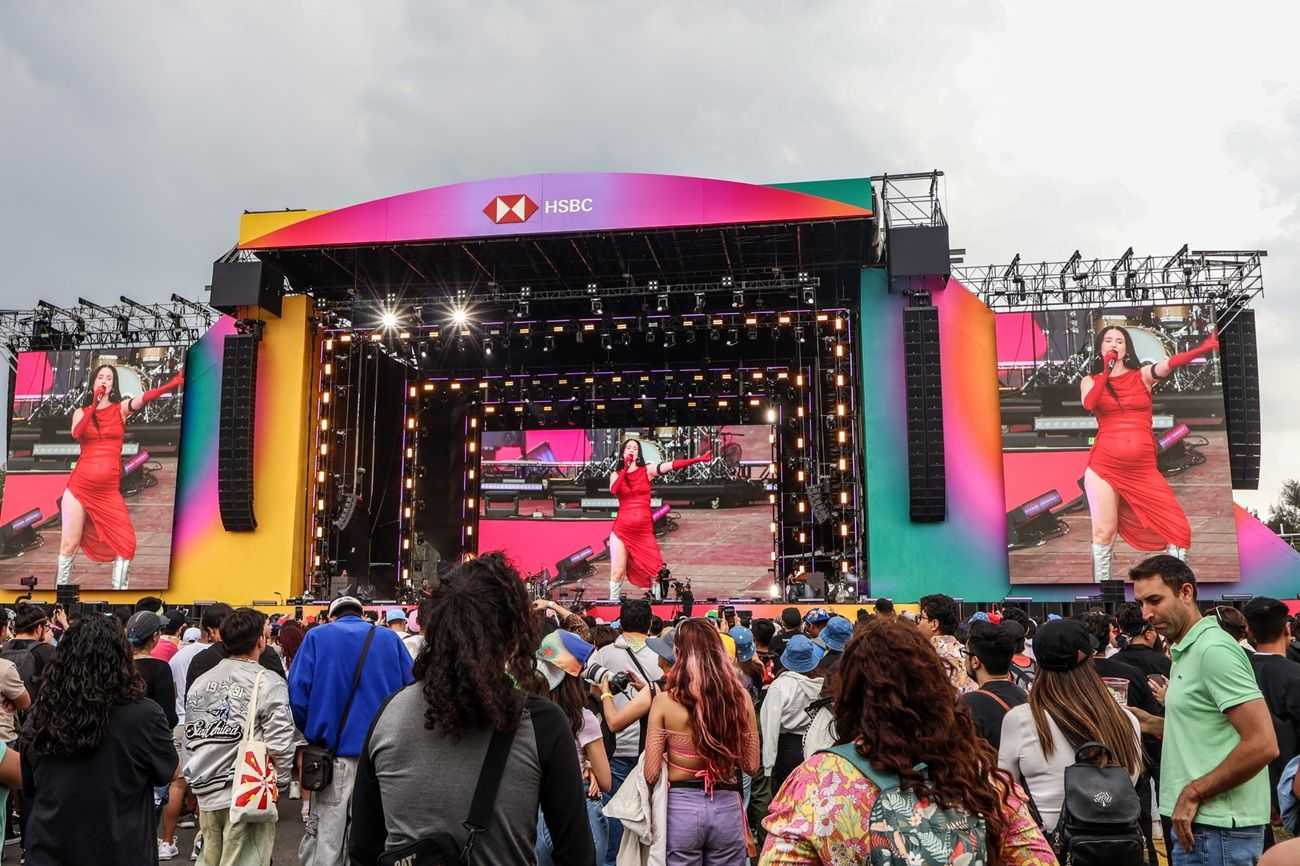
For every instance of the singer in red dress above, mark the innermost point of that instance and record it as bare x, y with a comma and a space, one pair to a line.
1126, 492
633, 551
94, 515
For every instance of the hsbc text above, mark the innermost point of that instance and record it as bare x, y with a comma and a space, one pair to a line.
567, 205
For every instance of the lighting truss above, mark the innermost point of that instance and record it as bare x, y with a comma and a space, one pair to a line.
1228, 279
127, 324
910, 199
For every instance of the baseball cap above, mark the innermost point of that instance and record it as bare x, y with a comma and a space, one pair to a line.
728, 644
1062, 645
176, 620
744, 639
394, 614
141, 626
817, 616
801, 655
562, 653
836, 634
1262, 605
192, 635
663, 647
344, 601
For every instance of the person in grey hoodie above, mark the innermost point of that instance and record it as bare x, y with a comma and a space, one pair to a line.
215, 711
784, 714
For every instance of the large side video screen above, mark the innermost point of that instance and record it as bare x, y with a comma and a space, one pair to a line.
1092, 491
94, 508
547, 502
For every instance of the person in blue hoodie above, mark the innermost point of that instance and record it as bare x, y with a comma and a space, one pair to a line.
320, 682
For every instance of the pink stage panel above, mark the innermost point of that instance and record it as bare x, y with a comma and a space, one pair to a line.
1020, 340
1031, 473
22, 493
538, 544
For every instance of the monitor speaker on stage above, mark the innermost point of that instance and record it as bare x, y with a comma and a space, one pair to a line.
246, 284
918, 251
1239, 359
235, 432
925, 458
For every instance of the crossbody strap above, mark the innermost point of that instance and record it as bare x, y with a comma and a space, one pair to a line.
987, 693
251, 716
644, 721
485, 792
352, 693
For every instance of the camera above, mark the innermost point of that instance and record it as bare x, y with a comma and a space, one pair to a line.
596, 673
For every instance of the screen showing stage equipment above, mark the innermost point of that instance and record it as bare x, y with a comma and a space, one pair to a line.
1090, 493
547, 502
98, 506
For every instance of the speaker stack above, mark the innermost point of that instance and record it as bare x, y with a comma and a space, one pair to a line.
235, 431
1239, 358
924, 384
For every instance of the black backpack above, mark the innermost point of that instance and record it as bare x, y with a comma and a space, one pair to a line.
25, 660
1100, 823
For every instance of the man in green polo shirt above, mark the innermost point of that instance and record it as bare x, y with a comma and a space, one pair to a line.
1218, 736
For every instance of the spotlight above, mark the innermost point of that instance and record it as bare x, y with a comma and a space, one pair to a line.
670, 339
776, 333
733, 336
650, 336
810, 296
737, 299
627, 338
751, 332
577, 335
597, 307
690, 335
521, 309
661, 305
487, 347
798, 333
699, 301
727, 281
389, 320
606, 341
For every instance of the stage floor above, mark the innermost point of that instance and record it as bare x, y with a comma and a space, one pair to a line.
151, 512
1204, 491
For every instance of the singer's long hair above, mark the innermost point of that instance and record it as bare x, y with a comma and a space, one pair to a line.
704, 681
114, 393
640, 455
1130, 360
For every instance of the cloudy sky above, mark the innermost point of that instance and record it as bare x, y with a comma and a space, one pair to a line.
134, 135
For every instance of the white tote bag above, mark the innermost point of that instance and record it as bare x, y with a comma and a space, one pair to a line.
254, 795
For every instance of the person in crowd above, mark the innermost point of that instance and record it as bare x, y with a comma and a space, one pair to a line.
395, 619
989, 650
216, 710
1278, 678
791, 623
143, 632
1218, 738
1142, 648
814, 621
938, 621
482, 642
322, 682
211, 655
290, 639
783, 718
628, 654
32, 647
562, 656
884, 608
764, 632
1023, 670
1069, 705
1112, 670
703, 727
1233, 622
602, 635
895, 707
832, 638
169, 642
93, 751
751, 669
570, 621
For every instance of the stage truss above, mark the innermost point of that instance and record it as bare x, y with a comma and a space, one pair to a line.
128, 324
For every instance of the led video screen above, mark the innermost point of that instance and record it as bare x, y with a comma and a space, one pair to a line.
1114, 443
90, 477
574, 508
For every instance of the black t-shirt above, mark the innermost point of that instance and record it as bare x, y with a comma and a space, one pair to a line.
1279, 680
98, 807
1139, 695
42, 655
987, 712
159, 686
212, 656
1145, 659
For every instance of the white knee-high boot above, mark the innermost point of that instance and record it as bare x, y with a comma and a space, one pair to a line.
1177, 552
615, 589
1102, 554
64, 574
121, 572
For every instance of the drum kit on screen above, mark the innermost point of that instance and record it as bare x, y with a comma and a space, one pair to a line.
664, 444
138, 370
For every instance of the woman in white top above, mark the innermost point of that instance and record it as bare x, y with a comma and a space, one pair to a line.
1068, 706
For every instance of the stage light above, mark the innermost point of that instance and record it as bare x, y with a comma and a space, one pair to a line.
650, 336
597, 307
776, 333
548, 344
727, 281
670, 339
771, 416
487, 347
737, 299
606, 341
699, 302
521, 309
690, 335
773, 591
627, 338
459, 315
751, 332
798, 333
661, 304
733, 336
389, 320
810, 296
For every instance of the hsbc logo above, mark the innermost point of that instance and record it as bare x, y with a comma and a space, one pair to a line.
506, 209
510, 209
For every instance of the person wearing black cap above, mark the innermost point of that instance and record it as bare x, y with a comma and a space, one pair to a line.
142, 631
1068, 705
989, 649
174, 624
1141, 650
31, 649
1278, 678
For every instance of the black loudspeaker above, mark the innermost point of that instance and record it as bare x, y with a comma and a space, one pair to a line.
246, 284
1240, 363
925, 459
919, 251
235, 432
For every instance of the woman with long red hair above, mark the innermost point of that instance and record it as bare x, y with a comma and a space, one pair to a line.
93, 515
702, 726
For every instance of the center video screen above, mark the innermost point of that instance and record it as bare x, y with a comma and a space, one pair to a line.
90, 477
1090, 492
546, 502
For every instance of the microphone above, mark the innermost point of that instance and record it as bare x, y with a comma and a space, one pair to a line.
1111, 359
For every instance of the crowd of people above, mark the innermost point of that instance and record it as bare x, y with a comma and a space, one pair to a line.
487, 727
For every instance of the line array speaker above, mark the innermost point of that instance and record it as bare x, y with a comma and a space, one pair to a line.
235, 432
1239, 358
925, 460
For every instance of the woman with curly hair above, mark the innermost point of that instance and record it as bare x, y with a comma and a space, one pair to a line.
702, 726
93, 750
899, 732
426, 749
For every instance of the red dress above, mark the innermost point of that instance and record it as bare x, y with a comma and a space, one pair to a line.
95, 483
634, 526
1124, 456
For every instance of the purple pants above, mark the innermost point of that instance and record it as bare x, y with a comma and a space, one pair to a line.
705, 831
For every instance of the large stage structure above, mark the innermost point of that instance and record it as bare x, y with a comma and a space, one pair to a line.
388, 388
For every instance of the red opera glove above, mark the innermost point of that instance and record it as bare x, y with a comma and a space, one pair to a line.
689, 461
1182, 359
619, 485
154, 393
80, 429
1093, 397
